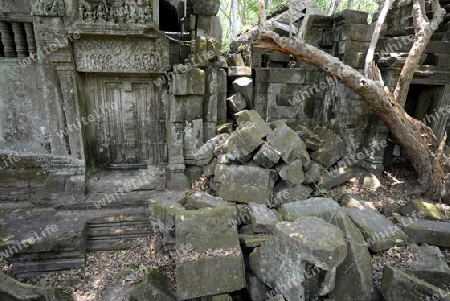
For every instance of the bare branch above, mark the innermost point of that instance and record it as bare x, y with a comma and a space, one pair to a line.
424, 31
375, 36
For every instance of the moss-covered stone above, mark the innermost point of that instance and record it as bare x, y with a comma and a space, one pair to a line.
399, 286
211, 276
155, 287
426, 210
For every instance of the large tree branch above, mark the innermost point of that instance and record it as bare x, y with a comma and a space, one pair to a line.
424, 31
413, 136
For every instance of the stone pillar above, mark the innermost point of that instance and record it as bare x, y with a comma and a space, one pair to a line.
19, 39
6, 40
29, 32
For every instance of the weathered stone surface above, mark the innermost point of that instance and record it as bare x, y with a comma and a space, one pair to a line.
314, 173
201, 200
355, 273
285, 193
379, 233
190, 82
332, 149
201, 277
263, 218
251, 118
208, 7
281, 261
244, 183
431, 266
311, 207
286, 142
256, 288
154, 287
241, 144
206, 153
238, 71
209, 26
236, 102
208, 169
427, 210
425, 231
266, 157
244, 85
331, 179
162, 216
277, 298
399, 286
292, 173
12, 290
205, 229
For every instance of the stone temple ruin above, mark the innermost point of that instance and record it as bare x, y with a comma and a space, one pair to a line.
110, 109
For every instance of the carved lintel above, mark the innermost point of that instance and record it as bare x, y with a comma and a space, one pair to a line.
116, 55
116, 12
52, 8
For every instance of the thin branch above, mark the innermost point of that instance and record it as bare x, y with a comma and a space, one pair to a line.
375, 36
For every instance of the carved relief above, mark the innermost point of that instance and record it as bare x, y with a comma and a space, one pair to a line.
54, 8
118, 12
121, 56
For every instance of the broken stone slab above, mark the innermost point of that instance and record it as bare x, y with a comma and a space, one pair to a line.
263, 218
201, 200
431, 266
285, 142
333, 147
241, 144
244, 184
399, 286
244, 85
286, 193
13, 290
427, 210
210, 276
379, 233
155, 286
266, 156
281, 262
208, 169
251, 118
425, 231
236, 102
206, 153
335, 177
162, 216
314, 173
209, 228
238, 71
355, 273
235, 60
292, 173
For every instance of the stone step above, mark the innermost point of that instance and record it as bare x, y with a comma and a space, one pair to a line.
116, 232
30, 265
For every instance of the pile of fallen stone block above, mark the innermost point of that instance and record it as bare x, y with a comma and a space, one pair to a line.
259, 161
301, 250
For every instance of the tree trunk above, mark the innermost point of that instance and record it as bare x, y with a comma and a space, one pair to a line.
418, 141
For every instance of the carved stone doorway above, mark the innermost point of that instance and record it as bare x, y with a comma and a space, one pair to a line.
131, 126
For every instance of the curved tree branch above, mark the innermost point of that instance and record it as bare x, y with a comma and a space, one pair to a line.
424, 31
